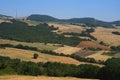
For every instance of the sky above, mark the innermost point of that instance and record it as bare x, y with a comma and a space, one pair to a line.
107, 10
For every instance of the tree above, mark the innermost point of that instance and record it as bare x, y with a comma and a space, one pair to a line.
89, 71
35, 56
111, 71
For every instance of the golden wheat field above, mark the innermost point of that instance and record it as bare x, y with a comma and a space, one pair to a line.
99, 56
27, 55
67, 27
67, 50
40, 46
105, 35
18, 77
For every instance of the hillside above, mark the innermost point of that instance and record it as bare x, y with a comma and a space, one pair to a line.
5, 17
105, 35
63, 49
42, 18
87, 21
27, 55
117, 23
39, 46
21, 31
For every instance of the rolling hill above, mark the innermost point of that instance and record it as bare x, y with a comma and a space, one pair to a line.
5, 17
88, 21
71, 53
42, 18
117, 23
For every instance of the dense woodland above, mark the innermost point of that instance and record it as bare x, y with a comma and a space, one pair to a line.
110, 71
41, 33
19, 46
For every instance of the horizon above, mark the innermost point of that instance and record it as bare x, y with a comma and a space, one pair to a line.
101, 10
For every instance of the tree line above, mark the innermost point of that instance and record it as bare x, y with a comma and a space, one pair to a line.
19, 46
110, 71
16, 66
114, 50
116, 32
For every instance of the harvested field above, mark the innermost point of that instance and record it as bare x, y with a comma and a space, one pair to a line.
98, 56
27, 55
67, 50
105, 35
84, 53
4, 21
40, 46
92, 44
18, 77
67, 27
1, 21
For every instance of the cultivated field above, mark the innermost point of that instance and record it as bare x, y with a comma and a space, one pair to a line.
98, 56
4, 21
84, 53
67, 50
27, 55
1, 21
18, 77
92, 44
67, 27
40, 46
105, 35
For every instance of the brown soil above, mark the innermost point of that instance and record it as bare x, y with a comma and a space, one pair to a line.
84, 53
92, 44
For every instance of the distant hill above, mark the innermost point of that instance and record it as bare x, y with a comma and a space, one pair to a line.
117, 23
42, 18
5, 17
88, 21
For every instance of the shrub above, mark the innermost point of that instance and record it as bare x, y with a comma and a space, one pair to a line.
35, 56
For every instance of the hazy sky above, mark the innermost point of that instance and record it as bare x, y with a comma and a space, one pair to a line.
107, 10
